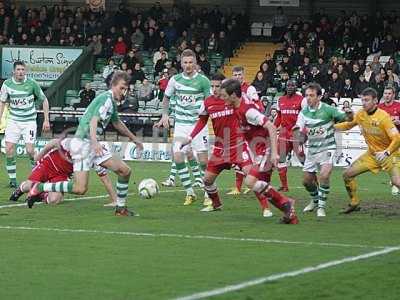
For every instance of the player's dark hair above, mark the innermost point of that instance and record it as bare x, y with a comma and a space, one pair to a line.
237, 69
390, 87
314, 86
18, 63
118, 76
370, 92
232, 86
218, 77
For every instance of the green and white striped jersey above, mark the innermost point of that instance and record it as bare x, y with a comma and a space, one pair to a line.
22, 98
318, 124
190, 93
103, 107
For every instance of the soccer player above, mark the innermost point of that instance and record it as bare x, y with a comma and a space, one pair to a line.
87, 151
260, 135
289, 107
249, 92
191, 88
22, 94
316, 121
53, 165
229, 147
392, 107
383, 140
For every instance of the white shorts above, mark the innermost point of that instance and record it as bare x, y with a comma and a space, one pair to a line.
314, 162
83, 156
14, 131
199, 143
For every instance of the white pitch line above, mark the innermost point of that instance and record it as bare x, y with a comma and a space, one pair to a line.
274, 277
187, 236
80, 198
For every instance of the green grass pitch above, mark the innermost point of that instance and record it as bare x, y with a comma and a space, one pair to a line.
80, 250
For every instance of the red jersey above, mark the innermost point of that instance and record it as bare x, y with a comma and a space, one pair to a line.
288, 111
55, 166
251, 123
249, 92
393, 110
224, 122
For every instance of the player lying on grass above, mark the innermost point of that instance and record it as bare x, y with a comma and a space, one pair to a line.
54, 164
86, 151
317, 121
383, 140
229, 146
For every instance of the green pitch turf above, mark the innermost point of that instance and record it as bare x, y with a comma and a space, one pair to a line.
79, 250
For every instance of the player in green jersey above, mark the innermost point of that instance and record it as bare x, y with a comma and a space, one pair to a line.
191, 88
316, 121
22, 95
86, 151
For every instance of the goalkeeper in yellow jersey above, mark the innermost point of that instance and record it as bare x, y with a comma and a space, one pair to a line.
383, 140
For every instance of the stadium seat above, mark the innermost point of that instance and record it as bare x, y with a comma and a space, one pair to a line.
256, 28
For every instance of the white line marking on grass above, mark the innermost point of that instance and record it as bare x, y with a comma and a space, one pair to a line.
274, 277
81, 198
187, 236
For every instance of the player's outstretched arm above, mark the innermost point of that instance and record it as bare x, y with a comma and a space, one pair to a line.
273, 141
344, 126
46, 122
164, 121
96, 146
122, 129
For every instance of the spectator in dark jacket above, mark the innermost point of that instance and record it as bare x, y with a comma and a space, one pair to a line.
260, 84
360, 85
137, 74
348, 90
204, 64
86, 95
160, 65
334, 85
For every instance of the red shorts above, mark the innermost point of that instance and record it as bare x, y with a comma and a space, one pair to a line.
45, 172
223, 159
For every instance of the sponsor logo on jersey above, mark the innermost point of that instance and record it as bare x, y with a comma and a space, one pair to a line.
220, 114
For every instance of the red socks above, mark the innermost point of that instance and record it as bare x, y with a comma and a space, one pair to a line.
277, 198
283, 177
239, 180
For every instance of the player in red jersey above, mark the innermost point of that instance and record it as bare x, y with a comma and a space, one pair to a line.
229, 146
248, 92
260, 134
392, 107
54, 164
289, 107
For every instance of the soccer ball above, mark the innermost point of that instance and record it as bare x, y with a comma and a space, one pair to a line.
148, 188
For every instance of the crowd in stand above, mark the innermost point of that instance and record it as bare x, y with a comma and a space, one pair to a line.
125, 31
334, 52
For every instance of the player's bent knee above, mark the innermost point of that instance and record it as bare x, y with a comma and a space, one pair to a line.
80, 190
260, 186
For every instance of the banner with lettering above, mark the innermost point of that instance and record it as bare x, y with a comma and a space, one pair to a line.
295, 3
42, 63
162, 152
125, 150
